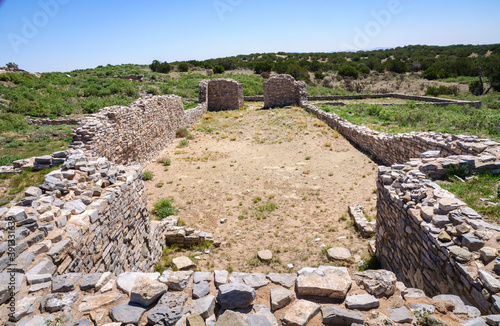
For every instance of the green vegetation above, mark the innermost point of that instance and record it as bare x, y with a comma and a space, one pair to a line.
163, 208
148, 175
409, 117
371, 263
171, 251
13, 185
481, 186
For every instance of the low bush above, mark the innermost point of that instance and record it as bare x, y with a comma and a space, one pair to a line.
163, 208
218, 69
441, 90
148, 175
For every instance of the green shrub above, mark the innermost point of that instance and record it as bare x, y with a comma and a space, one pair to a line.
476, 88
183, 143
218, 69
372, 263
148, 175
261, 67
162, 67
181, 133
460, 171
348, 71
8, 159
12, 122
430, 74
441, 90
364, 69
163, 208
167, 162
183, 67
319, 75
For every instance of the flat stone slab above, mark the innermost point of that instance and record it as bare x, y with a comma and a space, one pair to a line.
125, 281
89, 281
338, 253
200, 289
460, 307
284, 279
183, 263
265, 255
475, 322
400, 315
204, 306
258, 313
255, 280
58, 301
127, 313
24, 307
235, 295
462, 255
231, 318
176, 281
489, 281
220, 277
147, 291
65, 282
201, 276
324, 281
333, 315
413, 293
280, 297
376, 282
362, 302
300, 313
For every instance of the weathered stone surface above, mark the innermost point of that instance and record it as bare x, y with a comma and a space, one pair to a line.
472, 242
165, 314
220, 277
333, 315
258, 320
127, 313
37, 321
204, 306
59, 251
23, 261
413, 293
24, 307
201, 276
280, 297
200, 289
65, 282
300, 313
183, 263
259, 311
422, 308
265, 255
376, 282
488, 254
284, 279
362, 302
89, 281
146, 291
460, 307
16, 214
103, 280
231, 318
283, 90
176, 281
58, 301
491, 283
194, 320
462, 255
255, 280
94, 302
235, 295
324, 281
475, 322
338, 253
5, 279
447, 205
125, 281
400, 315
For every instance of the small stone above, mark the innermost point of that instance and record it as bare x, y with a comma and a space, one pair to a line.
362, 302
265, 255
125, 281
60, 250
255, 280
127, 313
204, 306
462, 229
200, 289
89, 281
235, 295
194, 320
183, 263
300, 313
231, 318
413, 293
448, 204
146, 291
223, 220
280, 297
400, 315
58, 301
220, 277
489, 281
333, 315
444, 236
284, 279
65, 282
377, 282
92, 303
201, 276
488, 254
460, 307
462, 255
324, 281
176, 281
440, 221
338, 253
39, 287
23, 261
427, 212
471, 242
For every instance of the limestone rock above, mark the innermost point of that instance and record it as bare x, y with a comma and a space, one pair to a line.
475, 322
220, 277
24, 307
94, 302
255, 280
183, 263
89, 281
231, 318
204, 306
166, 314
413, 293
448, 204
362, 302
460, 307
333, 315
58, 301
194, 320
488, 254
200, 289
201, 276
146, 291
5, 279
280, 297
324, 281
65, 282
400, 315
257, 315
265, 255
127, 313
338, 253
376, 282
176, 281
125, 281
462, 255
284, 279
300, 313
235, 295
23, 261
59, 251
489, 281
37, 321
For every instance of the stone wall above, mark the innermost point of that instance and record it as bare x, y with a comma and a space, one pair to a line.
137, 133
224, 94
52, 122
284, 90
432, 240
391, 149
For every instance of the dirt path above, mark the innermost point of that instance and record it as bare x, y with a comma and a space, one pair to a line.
281, 178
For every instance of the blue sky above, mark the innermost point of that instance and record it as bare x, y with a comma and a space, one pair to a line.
62, 35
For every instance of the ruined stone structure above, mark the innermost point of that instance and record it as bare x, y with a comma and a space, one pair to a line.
224, 94
283, 90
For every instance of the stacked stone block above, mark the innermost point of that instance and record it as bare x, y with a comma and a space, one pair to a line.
224, 94
284, 90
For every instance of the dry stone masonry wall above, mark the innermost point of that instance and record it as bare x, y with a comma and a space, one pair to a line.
224, 94
283, 90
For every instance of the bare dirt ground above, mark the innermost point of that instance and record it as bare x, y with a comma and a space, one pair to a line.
281, 178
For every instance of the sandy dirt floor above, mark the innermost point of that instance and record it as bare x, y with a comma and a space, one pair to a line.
281, 178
